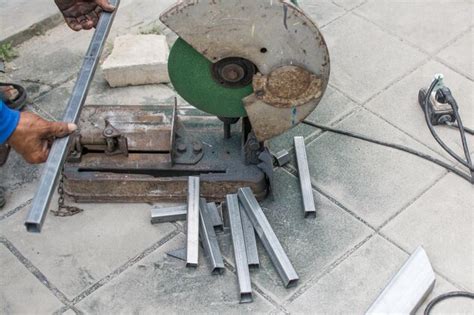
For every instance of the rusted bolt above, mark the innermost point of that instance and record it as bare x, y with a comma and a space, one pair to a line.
182, 148
197, 147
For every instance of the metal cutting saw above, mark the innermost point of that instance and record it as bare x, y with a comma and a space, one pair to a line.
258, 67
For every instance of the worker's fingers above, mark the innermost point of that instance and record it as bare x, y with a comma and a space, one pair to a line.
92, 16
73, 23
86, 24
59, 129
105, 5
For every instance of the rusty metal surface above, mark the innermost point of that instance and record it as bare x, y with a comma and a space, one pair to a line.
287, 86
151, 177
132, 123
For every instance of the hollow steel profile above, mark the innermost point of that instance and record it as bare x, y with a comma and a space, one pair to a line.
305, 178
240, 254
36, 216
269, 240
192, 232
250, 240
172, 214
408, 288
215, 216
209, 239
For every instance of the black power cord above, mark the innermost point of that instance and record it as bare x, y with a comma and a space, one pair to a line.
393, 146
446, 296
445, 93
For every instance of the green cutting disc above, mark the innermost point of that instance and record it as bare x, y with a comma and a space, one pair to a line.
191, 75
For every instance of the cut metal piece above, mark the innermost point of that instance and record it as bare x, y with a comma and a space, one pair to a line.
305, 178
282, 158
173, 214
58, 152
216, 217
178, 254
209, 239
408, 288
192, 232
238, 241
269, 240
250, 240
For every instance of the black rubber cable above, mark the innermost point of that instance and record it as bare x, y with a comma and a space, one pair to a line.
435, 135
394, 146
466, 129
446, 296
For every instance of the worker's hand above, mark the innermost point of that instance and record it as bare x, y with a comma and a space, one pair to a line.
34, 136
83, 14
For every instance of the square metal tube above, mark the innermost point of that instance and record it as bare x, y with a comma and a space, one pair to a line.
240, 254
250, 240
215, 216
305, 178
173, 214
209, 239
270, 241
192, 232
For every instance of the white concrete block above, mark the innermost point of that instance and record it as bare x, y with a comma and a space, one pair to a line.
137, 60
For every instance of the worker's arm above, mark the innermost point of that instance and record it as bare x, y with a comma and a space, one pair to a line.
8, 122
83, 14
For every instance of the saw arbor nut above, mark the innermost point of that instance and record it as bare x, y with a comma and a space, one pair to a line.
287, 86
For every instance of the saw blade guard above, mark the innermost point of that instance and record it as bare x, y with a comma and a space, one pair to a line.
265, 59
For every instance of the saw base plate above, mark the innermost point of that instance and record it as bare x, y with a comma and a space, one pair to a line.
143, 176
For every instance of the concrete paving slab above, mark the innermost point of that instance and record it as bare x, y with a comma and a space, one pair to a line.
459, 54
153, 94
420, 22
52, 58
355, 283
19, 17
407, 114
163, 284
362, 66
20, 291
17, 198
137, 60
372, 181
452, 306
16, 172
322, 12
76, 252
442, 221
349, 4
311, 244
333, 107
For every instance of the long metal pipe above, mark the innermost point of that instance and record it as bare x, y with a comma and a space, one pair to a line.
59, 150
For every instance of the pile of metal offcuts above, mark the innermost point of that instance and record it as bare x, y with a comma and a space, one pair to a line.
244, 217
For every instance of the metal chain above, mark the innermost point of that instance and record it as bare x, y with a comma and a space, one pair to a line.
63, 210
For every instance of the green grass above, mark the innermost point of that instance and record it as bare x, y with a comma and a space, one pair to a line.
7, 52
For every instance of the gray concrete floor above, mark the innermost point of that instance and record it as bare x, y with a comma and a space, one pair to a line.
375, 205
